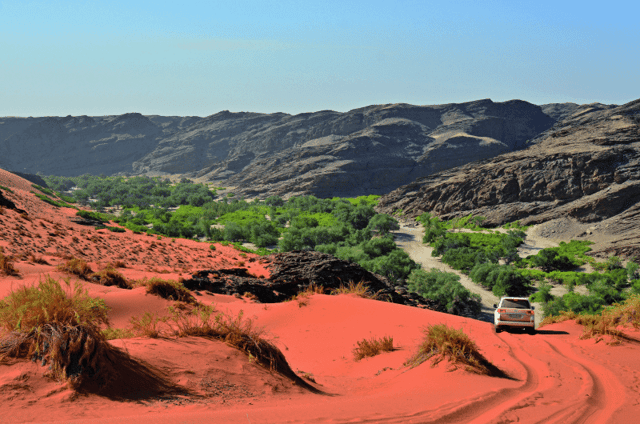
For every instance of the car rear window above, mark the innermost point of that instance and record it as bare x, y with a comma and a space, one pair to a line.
516, 303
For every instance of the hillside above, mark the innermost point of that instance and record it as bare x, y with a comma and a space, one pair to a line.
371, 150
580, 178
197, 379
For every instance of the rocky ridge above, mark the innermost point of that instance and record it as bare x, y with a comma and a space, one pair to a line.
586, 168
370, 150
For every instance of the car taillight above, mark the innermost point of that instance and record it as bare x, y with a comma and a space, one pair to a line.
501, 311
529, 312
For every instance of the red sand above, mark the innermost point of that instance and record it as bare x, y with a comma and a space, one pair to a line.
556, 377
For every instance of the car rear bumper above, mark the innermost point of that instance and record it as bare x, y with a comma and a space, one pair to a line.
515, 324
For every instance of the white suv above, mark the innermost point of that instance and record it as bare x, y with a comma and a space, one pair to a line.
514, 312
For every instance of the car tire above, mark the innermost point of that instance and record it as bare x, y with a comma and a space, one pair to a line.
531, 330
497, 329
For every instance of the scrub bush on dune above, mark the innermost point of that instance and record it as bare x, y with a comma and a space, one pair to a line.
205, 321
442, 342
46, 324
167, 289
372, 347
6, 265
77, 267
110, 277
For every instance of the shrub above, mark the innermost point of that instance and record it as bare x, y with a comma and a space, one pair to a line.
382, 224
110, 277
501, 279
45, 323
605, 322
372, 347
442, 342
235, 331
6, 265
360, 289
168, 289
444, 288
551, 259
77, 267
543, 295
462, 259
37, 259
147, 325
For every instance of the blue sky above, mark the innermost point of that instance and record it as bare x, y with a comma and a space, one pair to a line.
199, 57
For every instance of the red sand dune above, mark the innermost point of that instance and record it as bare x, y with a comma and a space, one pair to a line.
555, 376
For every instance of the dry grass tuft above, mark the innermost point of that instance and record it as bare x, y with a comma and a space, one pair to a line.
110, 277
45, 323
37, 259
303, 297
372, 347
168, 289
360, 289
6, 265
204, 321
564, 316
607, 322
76, 267
442, 342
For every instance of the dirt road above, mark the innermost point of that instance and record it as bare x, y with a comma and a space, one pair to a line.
409, 239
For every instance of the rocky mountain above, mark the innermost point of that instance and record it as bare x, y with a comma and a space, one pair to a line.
586, 169
370, 150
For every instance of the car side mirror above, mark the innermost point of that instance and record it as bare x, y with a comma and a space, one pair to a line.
495, 306
533, 307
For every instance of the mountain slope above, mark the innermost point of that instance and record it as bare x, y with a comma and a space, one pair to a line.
586, 168
326, 153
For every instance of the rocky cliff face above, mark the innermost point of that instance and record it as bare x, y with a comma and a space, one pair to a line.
369, 150
587, 168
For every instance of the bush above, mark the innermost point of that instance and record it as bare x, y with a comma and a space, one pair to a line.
372, 347
77, 267
45, 323
168, 289
444, 288
382, 224
462, 259
442, 342
543, 295
551, 259
360, 289
110, 277
503, 280
6, 265
397, 265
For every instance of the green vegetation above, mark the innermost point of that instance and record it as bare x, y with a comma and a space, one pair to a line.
349, 229
445, 288
490, 259
61, 202
140, 192
6, 189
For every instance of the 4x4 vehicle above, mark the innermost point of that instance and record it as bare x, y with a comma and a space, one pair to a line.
514, 312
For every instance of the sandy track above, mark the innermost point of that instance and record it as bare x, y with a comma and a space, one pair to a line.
409, 239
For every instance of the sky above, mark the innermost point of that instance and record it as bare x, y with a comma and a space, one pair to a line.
196, 58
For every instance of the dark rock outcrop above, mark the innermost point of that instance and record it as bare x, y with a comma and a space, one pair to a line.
292, 272
6, 203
